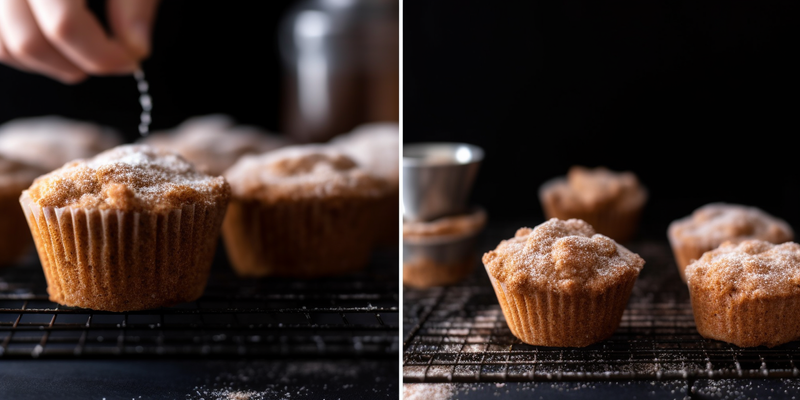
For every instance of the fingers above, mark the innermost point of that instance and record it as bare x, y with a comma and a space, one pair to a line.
132, 24
75, 32
24, 45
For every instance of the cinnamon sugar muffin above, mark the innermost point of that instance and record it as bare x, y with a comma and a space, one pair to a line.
375, 147
15, 240
214, 142
748, 293
132, 228
561, 284
714, 223
301, 211
49, 142
608, 200
442, 251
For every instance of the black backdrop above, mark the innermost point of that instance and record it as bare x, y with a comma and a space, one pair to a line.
697, 98
208, 57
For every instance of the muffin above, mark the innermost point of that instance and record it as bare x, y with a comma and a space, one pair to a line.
132, 228
214, 142
15, 240
442, 251
714, 223
561, 284
610, 201
375, 147
301, 211
747, 294
49, 142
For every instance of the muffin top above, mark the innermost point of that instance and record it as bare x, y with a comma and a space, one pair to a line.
591, 189
715, 223
129, 178
214, 142
302, 172
16, 176
561, 255
51, 141
375, 147
749, 269
454, 225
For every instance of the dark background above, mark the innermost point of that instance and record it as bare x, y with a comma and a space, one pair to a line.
208, 57
697, 98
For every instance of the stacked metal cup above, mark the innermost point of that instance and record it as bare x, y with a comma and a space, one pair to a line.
437, 183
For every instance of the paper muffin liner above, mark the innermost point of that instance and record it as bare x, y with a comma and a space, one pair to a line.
746, 322
15, 239
303, 238
123, 261
548, 318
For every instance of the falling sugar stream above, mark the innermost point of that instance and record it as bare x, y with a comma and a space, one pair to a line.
145, 101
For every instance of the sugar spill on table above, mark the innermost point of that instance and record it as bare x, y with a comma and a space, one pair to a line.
145, 101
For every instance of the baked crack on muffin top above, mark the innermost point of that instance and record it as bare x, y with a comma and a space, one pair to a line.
302, 172
129, 178
748, 269
561, 255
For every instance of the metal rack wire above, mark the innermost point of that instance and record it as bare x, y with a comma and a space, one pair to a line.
459, 334
355, 315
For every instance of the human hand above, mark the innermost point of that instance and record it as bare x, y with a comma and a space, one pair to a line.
64, 40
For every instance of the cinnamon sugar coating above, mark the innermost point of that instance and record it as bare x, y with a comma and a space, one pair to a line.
748, 293
15, 176
129, 178
595, 189
308, 171
561, 255
375, 147
213, 143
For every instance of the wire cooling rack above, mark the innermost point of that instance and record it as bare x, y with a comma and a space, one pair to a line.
459, 334
355, 315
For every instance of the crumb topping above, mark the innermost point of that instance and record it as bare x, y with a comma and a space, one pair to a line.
16, 176
129, 178
214, 143
561, 255
752, 268
51, 141
595, 188
375, 147
715, 223
302, 171
455, 225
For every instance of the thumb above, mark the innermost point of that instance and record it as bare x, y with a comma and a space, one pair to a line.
131, 23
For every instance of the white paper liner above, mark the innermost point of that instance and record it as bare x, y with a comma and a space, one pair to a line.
118, 261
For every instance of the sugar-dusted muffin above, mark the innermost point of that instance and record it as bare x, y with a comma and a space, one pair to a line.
375, 146
48, 142
714, 223
301, 211
748, 293
15, 240
561, 284
214, 142
442, 251
610, 201
132, 228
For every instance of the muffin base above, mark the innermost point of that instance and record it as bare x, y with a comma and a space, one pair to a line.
15, 237
123, 261
546, 318
303, 238
746, 322
423, 273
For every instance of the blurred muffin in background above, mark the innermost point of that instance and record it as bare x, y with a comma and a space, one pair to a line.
301, 211
375, 147
48, 142
214, 142
15, 240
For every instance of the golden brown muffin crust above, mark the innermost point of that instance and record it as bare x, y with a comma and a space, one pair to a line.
597, 188
302, 172
563, 255
129, 178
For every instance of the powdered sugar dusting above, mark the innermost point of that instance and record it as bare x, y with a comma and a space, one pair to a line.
561, 254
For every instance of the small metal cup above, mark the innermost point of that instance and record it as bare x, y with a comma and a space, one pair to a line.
438, 178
